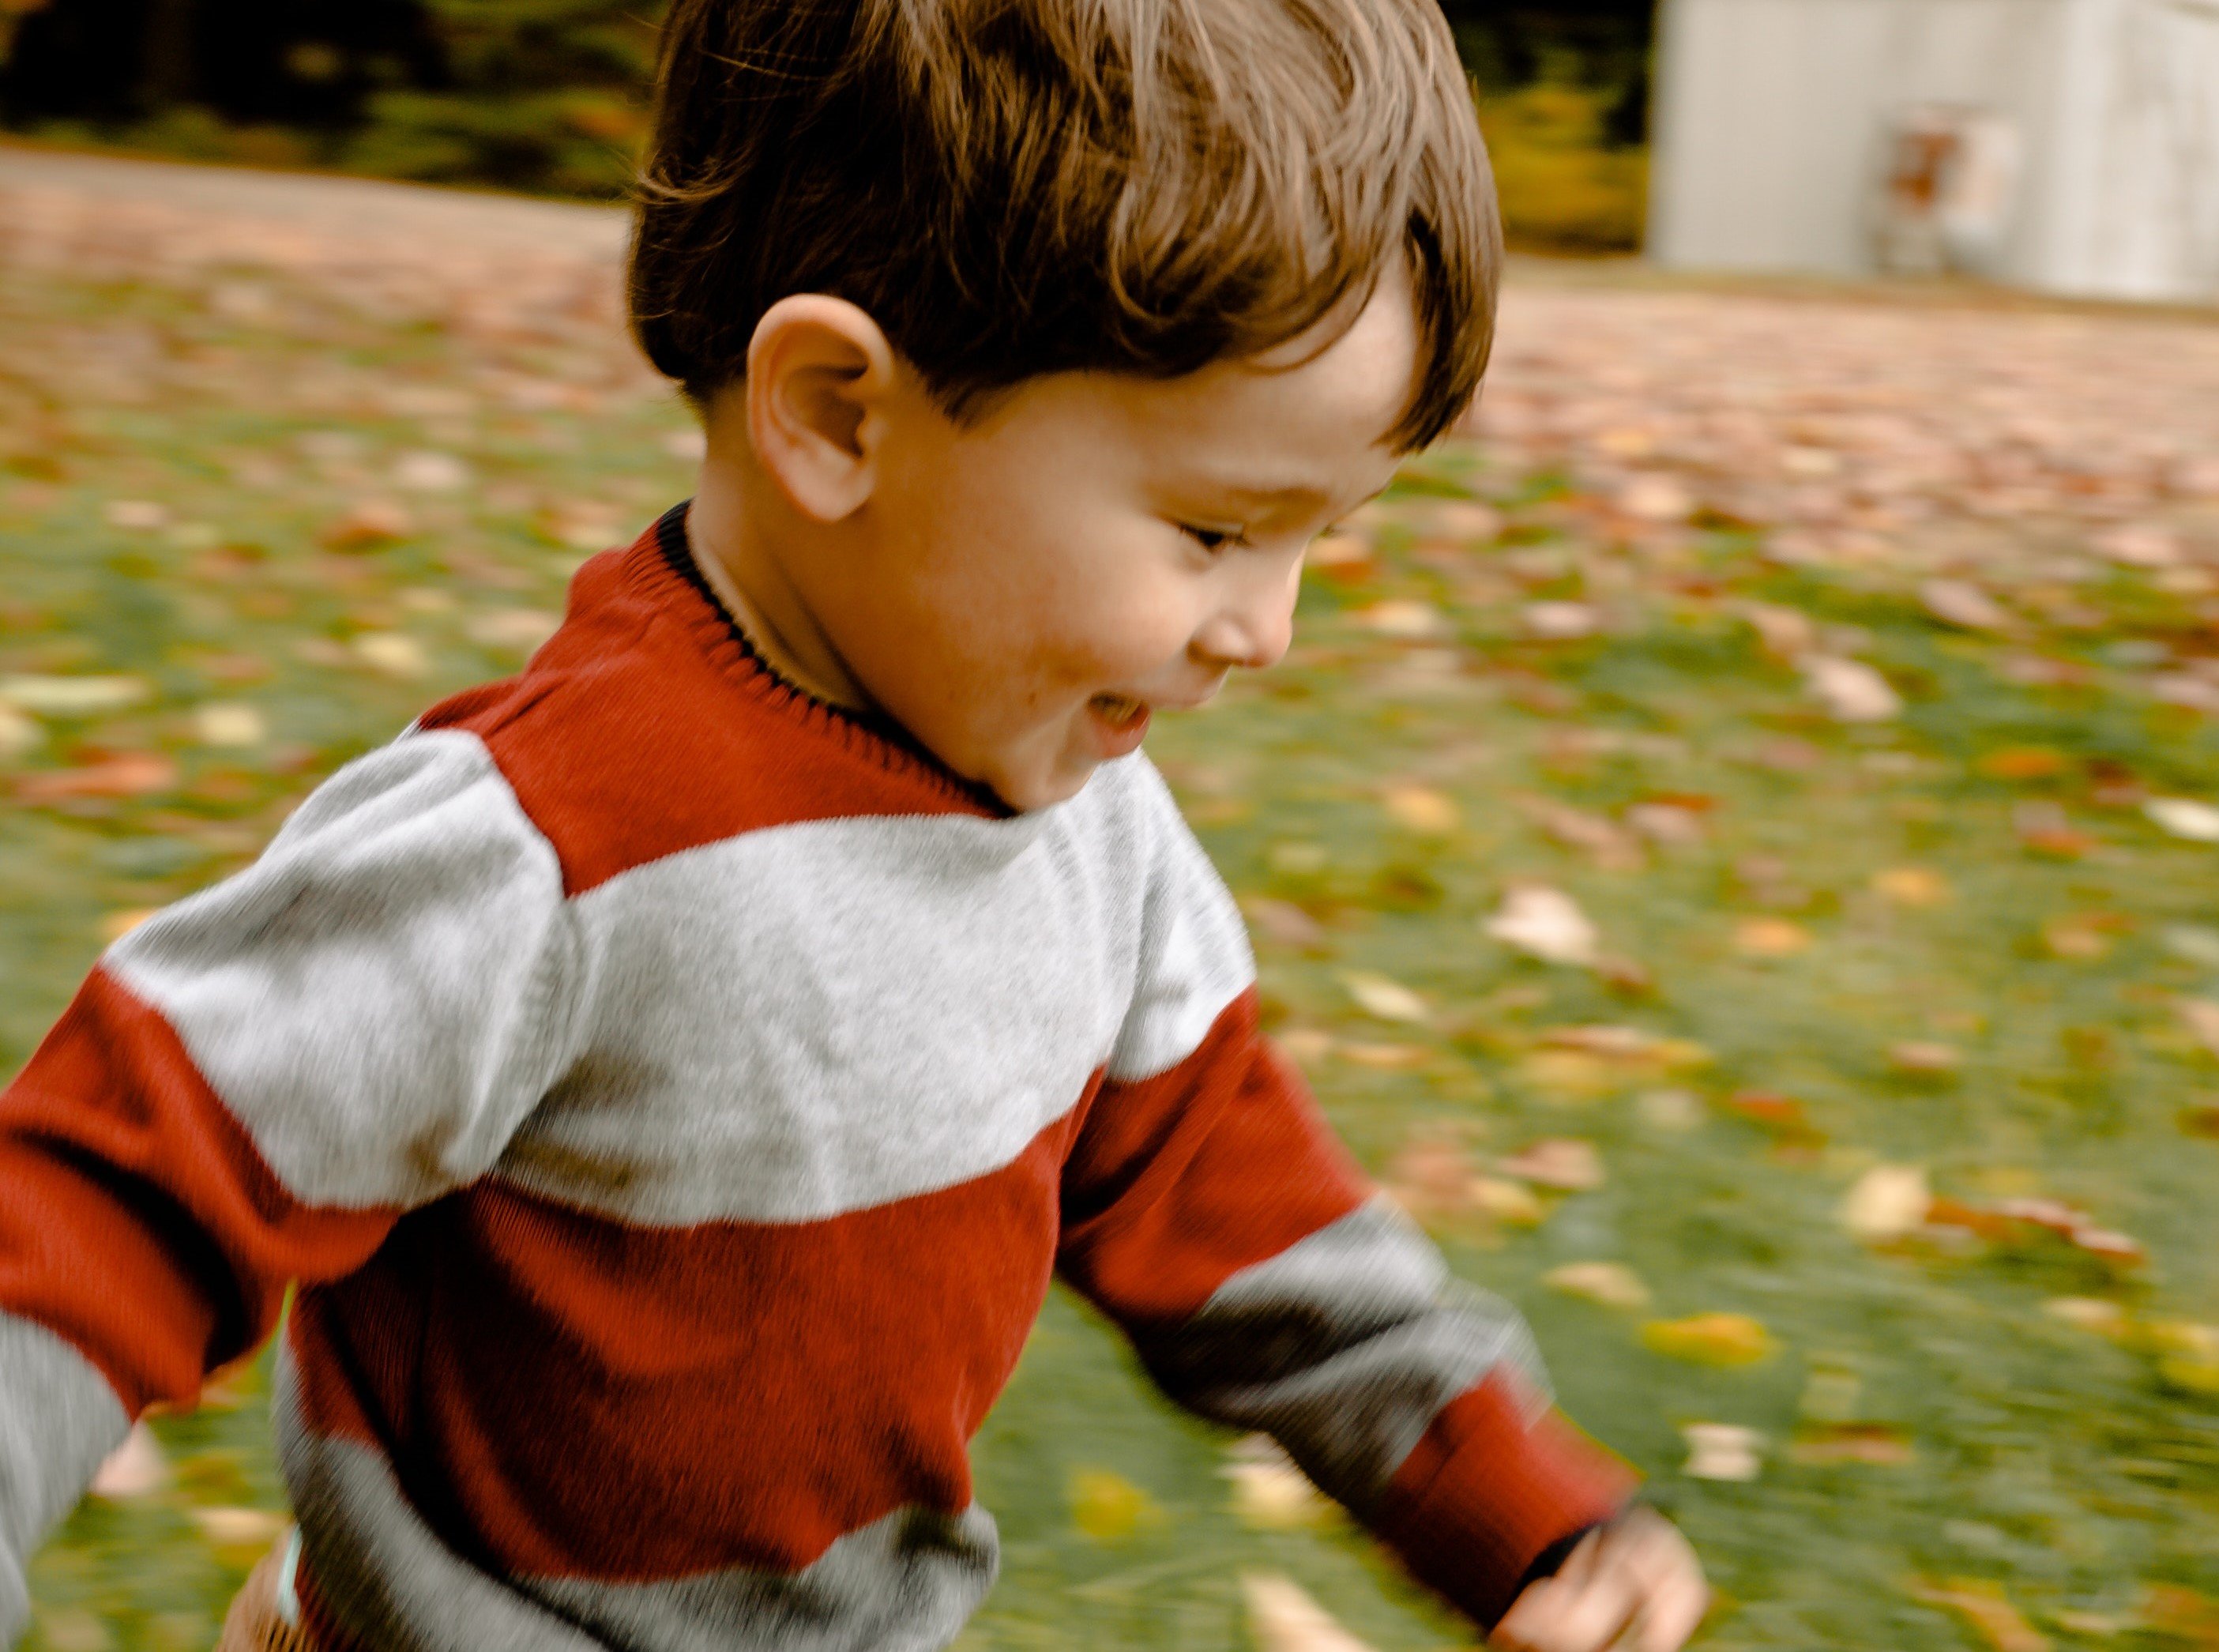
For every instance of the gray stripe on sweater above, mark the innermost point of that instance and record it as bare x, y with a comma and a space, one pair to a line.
58, 1418
1344, 1347
783, 1026
813, 1019
383, 995
906, 1583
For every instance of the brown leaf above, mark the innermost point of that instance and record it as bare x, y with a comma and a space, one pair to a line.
1982, 1605
126, 775
1960, 603
1564, 1164
367, 525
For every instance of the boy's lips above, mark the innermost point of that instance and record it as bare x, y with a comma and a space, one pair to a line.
1120, 723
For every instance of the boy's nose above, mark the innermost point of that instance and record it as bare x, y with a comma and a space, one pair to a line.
1256, 622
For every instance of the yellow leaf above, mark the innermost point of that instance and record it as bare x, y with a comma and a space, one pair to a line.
1422, 810
1108, 1507
1888, 1202
1710, 1339
1609, 1284
1911, 886
1383, 996
1771, 938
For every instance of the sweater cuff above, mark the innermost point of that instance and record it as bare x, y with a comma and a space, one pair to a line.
1497, 1481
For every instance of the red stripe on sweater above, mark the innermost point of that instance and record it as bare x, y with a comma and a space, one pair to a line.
644, 729
1180, 1181
140, 1223
578, 1397
1487, 1490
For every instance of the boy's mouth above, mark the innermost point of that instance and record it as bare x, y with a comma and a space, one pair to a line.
1120, 722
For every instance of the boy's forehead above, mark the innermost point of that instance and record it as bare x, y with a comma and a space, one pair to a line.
1259, 421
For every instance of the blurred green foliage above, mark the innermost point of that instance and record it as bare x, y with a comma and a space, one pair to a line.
550, 95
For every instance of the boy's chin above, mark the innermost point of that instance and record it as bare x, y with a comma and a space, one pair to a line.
1044, 782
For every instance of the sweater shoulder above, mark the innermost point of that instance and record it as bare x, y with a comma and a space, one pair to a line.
643, 729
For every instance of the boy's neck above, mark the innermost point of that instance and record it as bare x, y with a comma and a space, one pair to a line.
746, 578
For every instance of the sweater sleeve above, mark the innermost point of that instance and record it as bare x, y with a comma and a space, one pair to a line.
249, 1089
1265, 1285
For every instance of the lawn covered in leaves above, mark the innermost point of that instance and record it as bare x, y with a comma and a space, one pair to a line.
1748, 889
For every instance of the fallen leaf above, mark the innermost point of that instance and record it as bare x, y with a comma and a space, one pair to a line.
2201, 1121
1670, 824
1851, 690
126, 774
1886, 1202
394, 653
1783, 1115
1923, 1058
2044, 830
1559, 622
1982, 1605
1911, 886
1614, 847
2140, 544
1270, 1492
239, 1528
1546, 923
2088, 1314
135, 1468
519, 628
1284, 1618
2023, 763
367, 525
2201, 1017
1392, 1058
1421, 810
1876, 1445
1404, 619
1308, 1045
1785, 633
1960, 603
18, 734
1770, 938
70, 696
1607, 1284
1652, 498
140, 514
1720, 1339
2182, 816
1283, 922
429, 471
1383, 996
222, 724
1722, 1452
1108, 1507
1565, 1164
1502, 1201
1337, 551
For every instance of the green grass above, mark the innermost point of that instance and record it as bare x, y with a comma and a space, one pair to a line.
2076, 1472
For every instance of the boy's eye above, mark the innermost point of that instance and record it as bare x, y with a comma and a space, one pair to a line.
1213, 538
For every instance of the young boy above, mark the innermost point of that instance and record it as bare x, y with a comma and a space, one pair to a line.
673, 1075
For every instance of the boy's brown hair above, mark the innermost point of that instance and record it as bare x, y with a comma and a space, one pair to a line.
1012, 188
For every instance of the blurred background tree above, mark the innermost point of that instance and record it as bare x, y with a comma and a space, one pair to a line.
549, 95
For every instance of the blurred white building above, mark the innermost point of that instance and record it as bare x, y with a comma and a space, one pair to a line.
2068, 145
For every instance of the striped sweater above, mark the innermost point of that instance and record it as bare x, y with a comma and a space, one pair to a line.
673, 1097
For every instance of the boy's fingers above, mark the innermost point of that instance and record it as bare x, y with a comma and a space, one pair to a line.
1568, 1615
1673, 1614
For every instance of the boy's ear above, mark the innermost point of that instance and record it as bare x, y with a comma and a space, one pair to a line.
820, 374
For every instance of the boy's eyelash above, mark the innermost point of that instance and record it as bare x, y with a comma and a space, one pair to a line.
1214, 538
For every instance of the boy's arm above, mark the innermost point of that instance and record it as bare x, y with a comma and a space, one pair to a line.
1209, 1211
250, 1088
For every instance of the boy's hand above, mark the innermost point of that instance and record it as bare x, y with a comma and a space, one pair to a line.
1633, 1584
